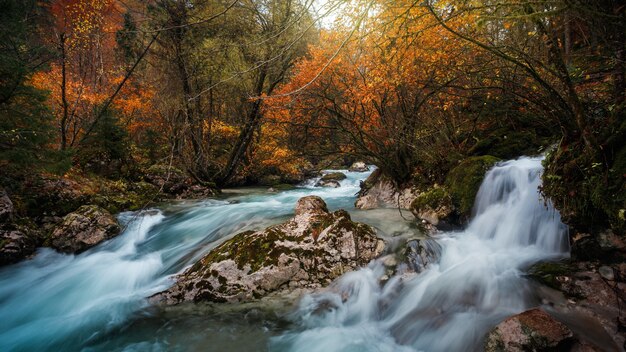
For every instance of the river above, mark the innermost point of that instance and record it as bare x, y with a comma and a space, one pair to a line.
96, 301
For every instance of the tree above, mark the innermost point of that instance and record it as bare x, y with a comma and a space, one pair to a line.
25, 122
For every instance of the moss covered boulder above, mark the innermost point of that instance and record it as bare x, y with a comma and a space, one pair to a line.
331, 180
334, 176
83, 229
433, 206
464, 180
308, 251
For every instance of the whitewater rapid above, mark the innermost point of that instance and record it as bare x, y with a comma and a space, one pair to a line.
96, 301
478, 280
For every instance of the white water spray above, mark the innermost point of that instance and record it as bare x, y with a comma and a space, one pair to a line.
477, 282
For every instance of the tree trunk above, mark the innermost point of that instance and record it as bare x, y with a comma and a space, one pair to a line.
64, 103
246, 134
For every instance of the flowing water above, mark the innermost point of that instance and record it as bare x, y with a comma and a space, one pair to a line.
95, 301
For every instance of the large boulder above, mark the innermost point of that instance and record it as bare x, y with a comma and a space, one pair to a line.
83, 229
359, 166
464, 180
308, 251
379, 191
533, 330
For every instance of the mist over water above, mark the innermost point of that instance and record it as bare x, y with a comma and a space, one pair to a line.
95, 301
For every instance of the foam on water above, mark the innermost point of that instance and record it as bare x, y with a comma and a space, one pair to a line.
450, 306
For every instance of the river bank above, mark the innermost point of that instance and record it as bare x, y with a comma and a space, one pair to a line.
477, 275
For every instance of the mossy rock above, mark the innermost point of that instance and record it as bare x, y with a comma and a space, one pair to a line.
333, 176
433, 199
283, 187
308, 251
433, 205
547, 273
269, 180
464, 180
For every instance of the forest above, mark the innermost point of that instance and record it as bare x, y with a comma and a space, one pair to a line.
118, 107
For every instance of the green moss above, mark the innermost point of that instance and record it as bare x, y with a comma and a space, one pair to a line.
547, 272
246, 248
588, 190
433, 199
507, 144
334, 176
283, 187
464, 181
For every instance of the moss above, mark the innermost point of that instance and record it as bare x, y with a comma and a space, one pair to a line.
433, 199
547, 272
283, 187
588, 190
506, 144
464, 181
247, 248
334, 176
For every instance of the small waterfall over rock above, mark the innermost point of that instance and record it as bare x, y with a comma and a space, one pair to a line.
478, 280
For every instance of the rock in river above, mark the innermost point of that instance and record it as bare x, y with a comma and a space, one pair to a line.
83, 229
308, 251
359, 166
331, 180
532, 330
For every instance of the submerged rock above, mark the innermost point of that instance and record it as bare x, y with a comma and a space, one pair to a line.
308, 251
421, 253
83, 229
533, 330
359, 166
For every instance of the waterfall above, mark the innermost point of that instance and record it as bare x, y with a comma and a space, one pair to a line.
95, 301
477, 282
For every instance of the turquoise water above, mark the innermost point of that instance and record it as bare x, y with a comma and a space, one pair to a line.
96, 300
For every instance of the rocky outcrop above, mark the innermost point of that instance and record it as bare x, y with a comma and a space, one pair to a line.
464, 180
533, 330
83, 229
378, 191
308, 251
6, 207
16, 241
359, 166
